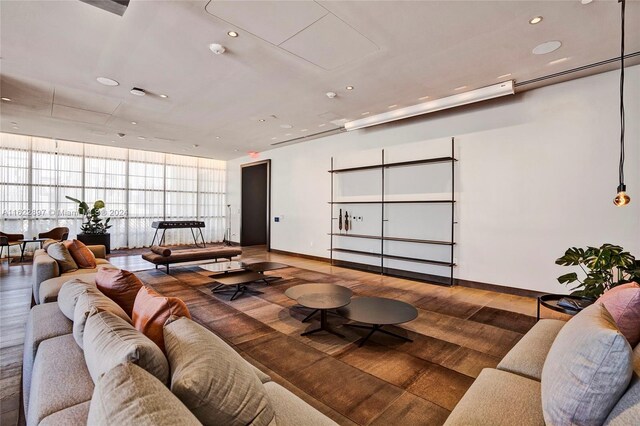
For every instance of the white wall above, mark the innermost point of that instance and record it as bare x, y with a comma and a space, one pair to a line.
537, 174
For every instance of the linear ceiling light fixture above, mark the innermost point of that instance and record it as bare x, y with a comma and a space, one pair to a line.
621, 199
477, 95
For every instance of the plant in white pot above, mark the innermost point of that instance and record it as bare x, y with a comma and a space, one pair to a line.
94, 229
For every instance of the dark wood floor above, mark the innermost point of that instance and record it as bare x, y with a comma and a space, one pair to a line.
463, 330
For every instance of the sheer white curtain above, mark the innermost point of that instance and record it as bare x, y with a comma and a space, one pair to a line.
138, 187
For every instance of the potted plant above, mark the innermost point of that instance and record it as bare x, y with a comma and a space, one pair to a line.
94, 230
604, 267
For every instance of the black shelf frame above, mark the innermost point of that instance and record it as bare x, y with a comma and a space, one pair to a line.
382, 238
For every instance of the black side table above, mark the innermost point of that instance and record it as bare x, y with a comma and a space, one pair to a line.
550, 301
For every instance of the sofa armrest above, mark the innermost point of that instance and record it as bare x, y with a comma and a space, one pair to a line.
99, 251
44, 267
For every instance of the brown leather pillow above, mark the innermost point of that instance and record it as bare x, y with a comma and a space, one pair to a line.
162, 251
81, 254
120, 286
151, 310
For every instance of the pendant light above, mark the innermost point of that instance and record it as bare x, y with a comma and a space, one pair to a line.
622, 199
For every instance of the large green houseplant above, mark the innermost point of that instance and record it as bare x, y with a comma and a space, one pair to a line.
94, 229
603, 267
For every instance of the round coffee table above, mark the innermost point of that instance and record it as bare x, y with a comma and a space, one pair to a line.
378, 312
323, 301
262, 267
297, 291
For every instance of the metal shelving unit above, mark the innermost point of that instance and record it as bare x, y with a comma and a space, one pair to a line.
382, 238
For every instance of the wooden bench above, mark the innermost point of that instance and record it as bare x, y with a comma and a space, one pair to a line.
189, 255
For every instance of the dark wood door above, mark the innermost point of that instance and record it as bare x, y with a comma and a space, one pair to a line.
255, 204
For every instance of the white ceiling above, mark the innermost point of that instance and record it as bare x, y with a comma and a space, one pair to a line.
288, 55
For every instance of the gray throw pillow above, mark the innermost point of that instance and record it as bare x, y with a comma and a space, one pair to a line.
109, 340
88, 301
128, 395
61, 255
69, 293
213, 380
586, 371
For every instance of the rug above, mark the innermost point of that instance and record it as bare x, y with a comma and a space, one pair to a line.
387, 381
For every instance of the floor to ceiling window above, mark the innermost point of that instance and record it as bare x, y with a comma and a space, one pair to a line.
138, 187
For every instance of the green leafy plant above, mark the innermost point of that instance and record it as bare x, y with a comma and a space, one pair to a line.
604, 267
93, 223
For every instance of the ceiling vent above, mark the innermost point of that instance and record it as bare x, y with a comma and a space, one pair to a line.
114, 6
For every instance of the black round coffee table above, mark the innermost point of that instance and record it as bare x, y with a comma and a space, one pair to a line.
550, 301
323, 301
298, 291
378, 312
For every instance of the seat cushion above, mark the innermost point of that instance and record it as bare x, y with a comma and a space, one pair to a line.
50, 288
109, 340
527, 357
69, 293
623, 303
120, 286
128, 395
291, 410
627, 409
587, 370
83, 257
44, 322
76, 415
151, 310
61, 254
60, 378
212, 380
88, 302
498, 398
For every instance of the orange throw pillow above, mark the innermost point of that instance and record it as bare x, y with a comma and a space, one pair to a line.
120, 286
81, 254
151, 310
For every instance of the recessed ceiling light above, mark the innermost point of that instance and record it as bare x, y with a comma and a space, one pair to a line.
141, 138
557, 61
195, 145
137, 91
232, 34
164, 96
547, 47
217, 137
461, 88
286, 126
365, 113
133, 122
304, 130
107, 81
6, 99
262, 120
392, 106
331, 95
585, 1
287, 134
535, 20
349, 87
321, 125
423, 98
274, 138
504, 76
216, 48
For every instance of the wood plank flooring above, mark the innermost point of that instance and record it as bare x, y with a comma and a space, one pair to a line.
458, 332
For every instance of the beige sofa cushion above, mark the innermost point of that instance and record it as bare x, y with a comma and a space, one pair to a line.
627, 410
75, 415
69, 293
60, 379
291, 410
110, 340
498, 398
128, 395
93, 301
587, 370
211, 379
49, 289
527, 357
61, 254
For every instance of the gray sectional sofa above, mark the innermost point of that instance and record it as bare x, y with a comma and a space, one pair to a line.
512, 393
58, 387
47, 278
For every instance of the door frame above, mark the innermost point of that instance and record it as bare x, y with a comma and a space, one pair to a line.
268, 218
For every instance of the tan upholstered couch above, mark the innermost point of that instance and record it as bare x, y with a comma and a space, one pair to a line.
511, 393
47, 279
58, 388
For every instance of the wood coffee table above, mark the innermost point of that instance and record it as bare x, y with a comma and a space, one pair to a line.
240, 280
297, 291
378, 312
322, 302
